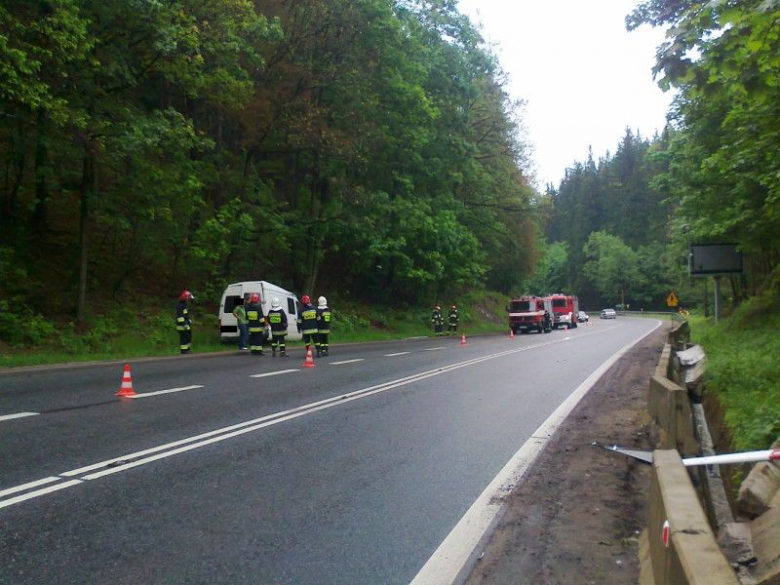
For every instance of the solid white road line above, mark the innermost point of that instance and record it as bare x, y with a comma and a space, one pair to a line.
453, 561
273, 373
123, 463
27, 486
172, 390
399, 353
346, 362
18, 415
36, 493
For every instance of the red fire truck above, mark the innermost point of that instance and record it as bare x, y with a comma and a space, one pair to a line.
527, 313
565, 309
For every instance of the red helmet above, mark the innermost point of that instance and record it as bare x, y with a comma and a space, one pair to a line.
305, 299
255, 298
185, 295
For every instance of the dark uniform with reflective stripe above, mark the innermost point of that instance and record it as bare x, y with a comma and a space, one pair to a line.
277, 319
453, 319
437, 321
254, 313
184, 327
323, 329
307, 323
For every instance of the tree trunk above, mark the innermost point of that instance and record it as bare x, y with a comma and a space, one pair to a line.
41, 176
87, 193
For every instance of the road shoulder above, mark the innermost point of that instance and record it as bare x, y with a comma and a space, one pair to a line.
577, 515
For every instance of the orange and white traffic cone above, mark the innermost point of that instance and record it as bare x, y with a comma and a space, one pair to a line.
309, 361
463, 340
511, 333
127, 384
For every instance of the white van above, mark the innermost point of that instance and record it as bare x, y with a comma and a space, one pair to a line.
234, 295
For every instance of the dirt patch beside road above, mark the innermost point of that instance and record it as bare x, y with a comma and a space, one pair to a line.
577, 516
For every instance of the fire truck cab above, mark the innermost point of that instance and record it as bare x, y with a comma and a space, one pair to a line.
527, 313
564, 309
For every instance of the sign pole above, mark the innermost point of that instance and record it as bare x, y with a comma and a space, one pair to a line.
717, 299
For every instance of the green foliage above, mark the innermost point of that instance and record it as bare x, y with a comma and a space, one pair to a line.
742, 369
723, 165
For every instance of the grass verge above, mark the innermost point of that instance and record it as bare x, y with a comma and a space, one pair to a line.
743, 369
125, 333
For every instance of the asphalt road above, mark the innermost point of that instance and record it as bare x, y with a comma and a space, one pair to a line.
352, 472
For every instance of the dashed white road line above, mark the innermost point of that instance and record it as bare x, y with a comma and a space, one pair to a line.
273, 373
433, 348
131, 460
159, 392
18, 415
346, 362
399, 353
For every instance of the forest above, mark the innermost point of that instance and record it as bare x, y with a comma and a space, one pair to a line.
368, 148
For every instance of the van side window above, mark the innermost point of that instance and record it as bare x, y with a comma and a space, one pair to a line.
290, 306
231, 303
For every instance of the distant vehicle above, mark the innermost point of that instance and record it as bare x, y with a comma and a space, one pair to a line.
234, 295
583, 317
526, 313
608, 314
565, 310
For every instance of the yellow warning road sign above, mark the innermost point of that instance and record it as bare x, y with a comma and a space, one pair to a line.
671, 300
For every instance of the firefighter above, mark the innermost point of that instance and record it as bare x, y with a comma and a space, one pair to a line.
183, 322
307, 322
277, 319
254, 313
323, 326
547, 322
437, 320
453, 320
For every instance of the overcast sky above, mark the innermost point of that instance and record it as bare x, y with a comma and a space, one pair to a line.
583, 76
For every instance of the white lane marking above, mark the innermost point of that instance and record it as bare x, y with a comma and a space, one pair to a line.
37, 493
273, 373
18, 415
170, 391
27, 486
399, 353
122, 464
433, 348
346, 362
453, 561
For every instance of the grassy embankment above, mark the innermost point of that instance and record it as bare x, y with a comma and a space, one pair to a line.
142, 331
743, 369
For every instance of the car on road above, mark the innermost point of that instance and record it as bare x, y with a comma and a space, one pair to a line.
608, 314
583, 317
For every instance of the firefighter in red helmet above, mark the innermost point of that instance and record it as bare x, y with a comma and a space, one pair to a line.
307, 322
254, 313
452, 321
184, 322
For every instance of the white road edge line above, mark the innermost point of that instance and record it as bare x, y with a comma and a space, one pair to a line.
18, 415
346, 362
453, 561
273, 373
170, 391
399, 353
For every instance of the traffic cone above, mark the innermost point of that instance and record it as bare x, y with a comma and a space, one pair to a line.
463, 340
127, 384
309, 361
511, 333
